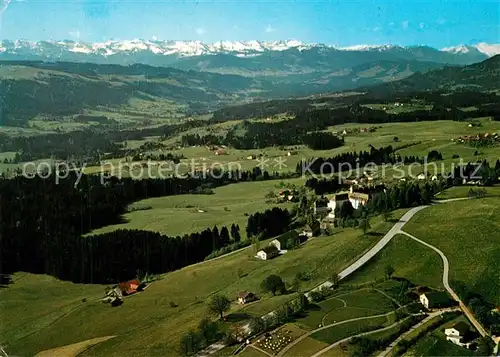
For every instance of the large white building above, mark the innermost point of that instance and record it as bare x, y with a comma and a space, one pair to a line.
357, 200
458, 334
334, 202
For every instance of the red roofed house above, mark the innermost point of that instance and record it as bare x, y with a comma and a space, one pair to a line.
129, 287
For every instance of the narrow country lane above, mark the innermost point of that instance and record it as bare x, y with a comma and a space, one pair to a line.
396, 229
288, 347
446, 283
427, 319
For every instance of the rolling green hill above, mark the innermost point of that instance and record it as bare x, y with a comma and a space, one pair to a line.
483, 76
30, 89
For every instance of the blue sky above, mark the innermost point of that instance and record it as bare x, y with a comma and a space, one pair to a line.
346, 22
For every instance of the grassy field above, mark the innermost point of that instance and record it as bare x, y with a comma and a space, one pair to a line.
360, 303
411, 260
35, 302
431, 135
320, 339
345, 306
467, 233
463, 191
176, 215
146, 325
347, 349
337, 333
306, 347
406, 107
435, 344
251, 352
436, 135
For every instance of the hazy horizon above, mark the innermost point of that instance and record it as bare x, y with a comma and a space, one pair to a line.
435, 24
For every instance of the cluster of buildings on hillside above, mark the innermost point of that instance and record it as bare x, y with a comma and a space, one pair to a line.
115, 295
486, 137
282, 243
460, 333
347, 131
357, 196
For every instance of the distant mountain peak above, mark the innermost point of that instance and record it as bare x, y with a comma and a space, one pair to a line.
487, 49
247, 58
198, 48
368, 47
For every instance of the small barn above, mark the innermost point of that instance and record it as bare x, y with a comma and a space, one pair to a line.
244, 297
268, 252
287, 240
435, 299
129, 287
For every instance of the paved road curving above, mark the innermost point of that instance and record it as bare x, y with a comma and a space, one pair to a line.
288, 347
396, 229
413, 328
350, 337
446, 283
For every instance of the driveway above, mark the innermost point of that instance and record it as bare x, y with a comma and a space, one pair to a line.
446, 283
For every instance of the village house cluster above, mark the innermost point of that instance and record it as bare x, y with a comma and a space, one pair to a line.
358, 196
486, 138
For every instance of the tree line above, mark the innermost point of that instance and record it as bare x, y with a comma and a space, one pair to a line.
255, 135
269, 223
87, 145
41, 224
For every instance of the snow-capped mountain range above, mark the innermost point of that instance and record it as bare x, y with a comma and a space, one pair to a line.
246, 58
487, 49
198, 48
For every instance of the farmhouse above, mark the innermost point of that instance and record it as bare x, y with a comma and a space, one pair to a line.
307, 232
334, 202
422, 176
435, 299
496, 350
458, 334
287, 240
287, 195
321, 206
358, 199
268, 252
129, 287
245, 297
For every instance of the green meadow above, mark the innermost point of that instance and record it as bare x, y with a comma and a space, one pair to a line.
146, 324
183, 214
467, 232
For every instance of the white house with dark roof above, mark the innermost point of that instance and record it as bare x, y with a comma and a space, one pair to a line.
458, 334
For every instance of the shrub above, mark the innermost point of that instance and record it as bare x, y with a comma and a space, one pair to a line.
316, 296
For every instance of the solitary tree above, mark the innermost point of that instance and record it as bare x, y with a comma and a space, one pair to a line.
364, 224
256, 244
224, 236
235, 232
219, 304
273, 283
296, 284
389, 271
257, 324
189, 343
335, 279
484, 347
387, 215
208, 329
